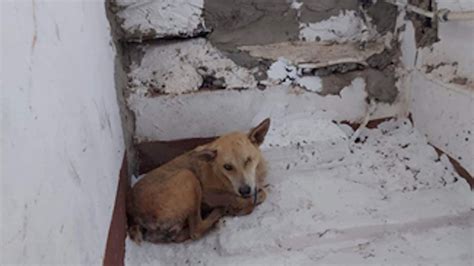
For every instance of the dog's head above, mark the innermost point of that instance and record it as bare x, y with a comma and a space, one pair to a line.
234, 158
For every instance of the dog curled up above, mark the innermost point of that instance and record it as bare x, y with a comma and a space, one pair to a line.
224, 177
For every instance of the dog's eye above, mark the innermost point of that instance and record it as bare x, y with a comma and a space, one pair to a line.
249, 160
228, 167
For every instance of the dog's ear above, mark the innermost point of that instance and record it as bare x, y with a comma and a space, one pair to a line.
205, 154
258, 133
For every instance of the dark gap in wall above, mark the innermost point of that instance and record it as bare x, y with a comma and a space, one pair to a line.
155, 153
426, 29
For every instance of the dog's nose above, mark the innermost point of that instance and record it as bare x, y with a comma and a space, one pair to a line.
245, 190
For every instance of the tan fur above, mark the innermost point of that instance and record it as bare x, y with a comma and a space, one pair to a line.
165, 205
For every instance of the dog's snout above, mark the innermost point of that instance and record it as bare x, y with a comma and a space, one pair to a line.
245, 190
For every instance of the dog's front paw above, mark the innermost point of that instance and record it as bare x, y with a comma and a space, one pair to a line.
135, 234
261, 196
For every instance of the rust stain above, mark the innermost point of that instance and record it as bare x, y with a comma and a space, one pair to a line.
115, 247
457, 166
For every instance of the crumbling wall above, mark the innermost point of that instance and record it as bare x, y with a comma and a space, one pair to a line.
426, 29
441, 81
309, 46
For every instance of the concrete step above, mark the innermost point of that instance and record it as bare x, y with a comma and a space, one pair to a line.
392, 200
184, 116
175, 79
262, 57
192, 65
141, 20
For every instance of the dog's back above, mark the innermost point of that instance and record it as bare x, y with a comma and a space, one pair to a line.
231, 169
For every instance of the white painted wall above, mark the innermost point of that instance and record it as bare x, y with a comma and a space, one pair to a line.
61, 137
444, 110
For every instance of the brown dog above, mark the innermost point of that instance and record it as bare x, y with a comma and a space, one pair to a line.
225, 176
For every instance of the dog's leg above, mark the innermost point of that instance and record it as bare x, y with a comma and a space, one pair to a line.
198, 226
245, 206
261, 197
182, 236
135, 233
241, 207
233, 204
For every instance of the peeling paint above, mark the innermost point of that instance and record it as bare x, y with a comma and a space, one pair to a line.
176, 67
141, 20
331, 79
261, 44
310, 83
282, 72
250, 35
296, 5
347, 26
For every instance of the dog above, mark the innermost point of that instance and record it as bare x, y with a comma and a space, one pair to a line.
224, 177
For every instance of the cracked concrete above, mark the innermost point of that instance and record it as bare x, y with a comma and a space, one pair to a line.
347, 26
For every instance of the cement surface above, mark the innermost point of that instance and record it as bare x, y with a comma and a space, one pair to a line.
391, 201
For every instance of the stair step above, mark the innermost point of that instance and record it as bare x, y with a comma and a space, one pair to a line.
176, 67
213, 113
144, 20
390, 199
